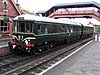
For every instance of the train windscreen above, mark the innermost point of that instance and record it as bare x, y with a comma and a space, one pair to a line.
23, 26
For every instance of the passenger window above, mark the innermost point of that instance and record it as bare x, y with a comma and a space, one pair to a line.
27, 27
67, 29
46, 31
21, 26
71, 29
39, 29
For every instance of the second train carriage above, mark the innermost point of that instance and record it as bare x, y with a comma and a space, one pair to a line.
87, 31
35, 34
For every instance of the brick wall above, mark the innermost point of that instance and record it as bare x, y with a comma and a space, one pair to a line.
10, 7
12, 12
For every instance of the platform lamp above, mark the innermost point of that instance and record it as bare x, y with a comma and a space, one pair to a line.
5, 12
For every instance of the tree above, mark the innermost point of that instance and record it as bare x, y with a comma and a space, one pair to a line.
25, 11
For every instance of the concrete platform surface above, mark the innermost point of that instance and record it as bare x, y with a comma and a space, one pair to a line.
4, 41
4, 45
89, 63
84, 62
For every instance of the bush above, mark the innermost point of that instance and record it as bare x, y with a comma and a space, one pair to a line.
2, 34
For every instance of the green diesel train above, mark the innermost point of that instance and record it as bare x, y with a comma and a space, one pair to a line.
35, 34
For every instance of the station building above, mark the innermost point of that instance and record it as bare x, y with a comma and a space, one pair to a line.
8, 10
86, 10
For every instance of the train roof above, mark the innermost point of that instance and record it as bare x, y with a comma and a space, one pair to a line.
43, 19
31, 17
88, 25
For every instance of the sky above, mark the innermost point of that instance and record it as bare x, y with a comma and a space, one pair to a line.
38, 5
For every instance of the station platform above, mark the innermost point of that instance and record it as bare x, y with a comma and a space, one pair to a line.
4, 41
86, 61
4, 45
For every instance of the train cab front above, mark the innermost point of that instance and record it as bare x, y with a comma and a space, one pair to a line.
24, 46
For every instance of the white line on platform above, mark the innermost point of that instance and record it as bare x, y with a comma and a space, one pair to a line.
49, 68
3, 46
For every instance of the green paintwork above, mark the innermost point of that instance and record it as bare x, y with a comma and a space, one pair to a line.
48, 37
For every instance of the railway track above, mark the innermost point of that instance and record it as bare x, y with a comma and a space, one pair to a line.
35, 65
11, 61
